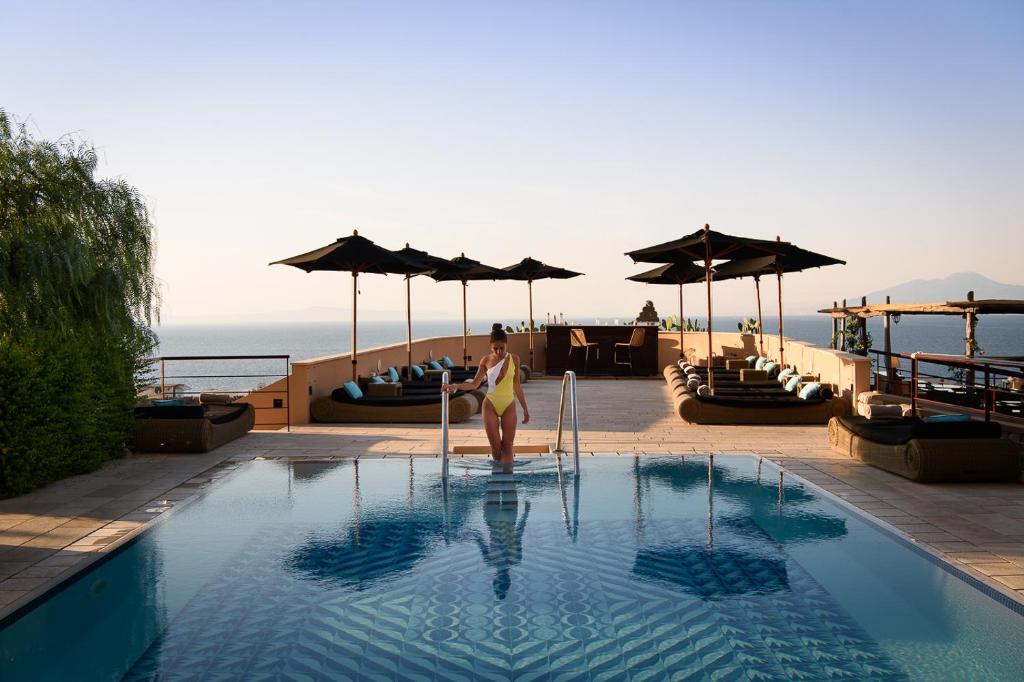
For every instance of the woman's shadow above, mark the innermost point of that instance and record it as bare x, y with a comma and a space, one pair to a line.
503, 549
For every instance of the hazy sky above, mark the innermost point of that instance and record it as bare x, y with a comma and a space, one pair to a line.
890, 134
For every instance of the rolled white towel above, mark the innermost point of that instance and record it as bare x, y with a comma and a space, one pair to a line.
703, 390
693, 384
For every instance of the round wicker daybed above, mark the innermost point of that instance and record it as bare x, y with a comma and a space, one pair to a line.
928, 452
190, 428
696, 409
411, 410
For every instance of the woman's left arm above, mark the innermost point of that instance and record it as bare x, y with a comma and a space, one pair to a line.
517, 387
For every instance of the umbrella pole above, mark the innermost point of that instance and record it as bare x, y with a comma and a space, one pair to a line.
681, 342
355, 291
465, 328
408, 321
760, 326
782, 350
529, 286
707, 278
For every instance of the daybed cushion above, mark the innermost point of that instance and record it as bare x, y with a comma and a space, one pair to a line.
792, 383
447, 362
898, 432
811, 390
352, 389
393, 375
751, 359
882, 411
760, 363
434, 364
417, 372
170, 412
946, 418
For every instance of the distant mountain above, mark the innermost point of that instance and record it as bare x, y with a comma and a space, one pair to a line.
950, 288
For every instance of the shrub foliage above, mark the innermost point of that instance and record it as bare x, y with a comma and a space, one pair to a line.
76, 296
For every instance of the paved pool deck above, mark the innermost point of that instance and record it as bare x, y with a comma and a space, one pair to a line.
51, 534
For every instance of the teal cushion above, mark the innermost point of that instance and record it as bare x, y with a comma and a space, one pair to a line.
947, 418
169, 402
751, 359
392, 375
760, 362
417, 372
811, 390
352, 389
434, 364
791, 384
770, 368
447, 362
785, 374
376, 379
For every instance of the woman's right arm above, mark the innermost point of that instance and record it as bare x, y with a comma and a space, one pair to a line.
469, 384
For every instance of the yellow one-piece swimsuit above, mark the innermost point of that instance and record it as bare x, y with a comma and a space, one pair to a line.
500, 393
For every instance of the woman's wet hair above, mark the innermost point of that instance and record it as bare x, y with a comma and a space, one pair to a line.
498, 334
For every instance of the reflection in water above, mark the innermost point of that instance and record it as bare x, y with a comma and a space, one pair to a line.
747, 559
503, 548
713, 573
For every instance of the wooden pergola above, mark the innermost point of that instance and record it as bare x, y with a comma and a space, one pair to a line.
968, 309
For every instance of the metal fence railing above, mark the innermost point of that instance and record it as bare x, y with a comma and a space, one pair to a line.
981, 386
168, 383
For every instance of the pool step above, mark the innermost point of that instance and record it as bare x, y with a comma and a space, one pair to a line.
486, 449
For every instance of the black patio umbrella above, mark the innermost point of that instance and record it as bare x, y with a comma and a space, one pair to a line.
706, 246
673, 273
436, 264
792, 259
357, 255
529, 270
468, 270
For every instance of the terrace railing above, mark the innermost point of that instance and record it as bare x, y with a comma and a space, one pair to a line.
281, 403
981, 386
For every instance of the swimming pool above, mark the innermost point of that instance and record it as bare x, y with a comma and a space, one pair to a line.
639, 569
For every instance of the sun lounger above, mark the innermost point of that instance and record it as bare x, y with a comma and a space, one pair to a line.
190, 428
340, 408
928, 452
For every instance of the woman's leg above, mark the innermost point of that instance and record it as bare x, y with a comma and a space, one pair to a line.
491, 421
508, 436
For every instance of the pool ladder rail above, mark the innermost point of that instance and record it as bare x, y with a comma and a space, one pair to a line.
568, 383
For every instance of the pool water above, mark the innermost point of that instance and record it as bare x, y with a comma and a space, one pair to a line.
643, 568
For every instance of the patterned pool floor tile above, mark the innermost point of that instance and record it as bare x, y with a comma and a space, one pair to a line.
414, 601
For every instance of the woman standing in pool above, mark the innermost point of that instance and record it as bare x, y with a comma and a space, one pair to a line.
501, 369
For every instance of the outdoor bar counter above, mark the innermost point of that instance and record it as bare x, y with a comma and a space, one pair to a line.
645, 358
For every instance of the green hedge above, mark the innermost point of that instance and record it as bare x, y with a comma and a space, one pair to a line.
65, 407
76, 295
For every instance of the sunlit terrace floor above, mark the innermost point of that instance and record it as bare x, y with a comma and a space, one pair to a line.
47, 536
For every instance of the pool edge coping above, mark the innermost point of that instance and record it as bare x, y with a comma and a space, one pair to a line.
12, 612
1004, 595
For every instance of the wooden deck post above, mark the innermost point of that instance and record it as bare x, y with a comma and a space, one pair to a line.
835, 327
969, 342
842, 331
888, 349
864, 328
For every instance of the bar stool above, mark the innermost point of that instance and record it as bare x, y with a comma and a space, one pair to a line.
577, 339
636, 340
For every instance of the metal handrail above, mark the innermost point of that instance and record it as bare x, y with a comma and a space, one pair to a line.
445, 378
569, 379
